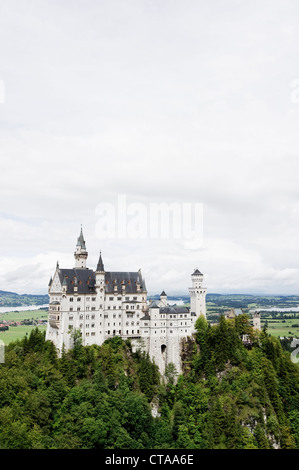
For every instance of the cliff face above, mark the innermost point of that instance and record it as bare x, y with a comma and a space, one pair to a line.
188, 347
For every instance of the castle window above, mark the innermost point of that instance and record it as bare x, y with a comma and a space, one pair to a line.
110, 298
71, 299
138, 331
87, 307
87, 334
134, 298
118, 298
92, 325
78, 299
93, 308
92, 333
127, 298
87, 317
138, 307
81, 317
78, 309
93, 299
87, 299
71, 309
93, 317
114, 307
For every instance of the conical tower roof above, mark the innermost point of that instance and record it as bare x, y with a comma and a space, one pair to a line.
100, 266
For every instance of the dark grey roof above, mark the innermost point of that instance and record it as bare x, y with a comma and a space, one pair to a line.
100, 266
196, 271
81, 241
174, 309
84, 279
128, 279
154, 304
146, 317
163, 294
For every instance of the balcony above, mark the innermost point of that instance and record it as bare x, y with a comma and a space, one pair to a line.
54, 320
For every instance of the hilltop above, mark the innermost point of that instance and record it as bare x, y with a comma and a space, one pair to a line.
11, 299
230, 395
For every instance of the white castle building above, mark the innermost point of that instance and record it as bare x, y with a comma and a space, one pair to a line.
102, 304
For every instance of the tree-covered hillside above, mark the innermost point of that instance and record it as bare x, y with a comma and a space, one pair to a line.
11, 299
231, 395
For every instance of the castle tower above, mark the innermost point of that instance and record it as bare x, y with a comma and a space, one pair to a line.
100, 275
197, 296
163, 299
256, 320
80, 253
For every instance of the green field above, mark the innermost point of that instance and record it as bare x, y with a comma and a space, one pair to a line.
18, 332
282, 328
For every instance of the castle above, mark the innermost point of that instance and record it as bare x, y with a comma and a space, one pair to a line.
102, 304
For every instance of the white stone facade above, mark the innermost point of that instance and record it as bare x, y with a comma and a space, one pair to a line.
104, 304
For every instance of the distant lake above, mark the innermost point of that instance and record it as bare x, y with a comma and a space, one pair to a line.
176, 302
276, 309
21, 308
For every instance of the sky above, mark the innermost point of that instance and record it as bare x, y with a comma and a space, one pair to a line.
187, 104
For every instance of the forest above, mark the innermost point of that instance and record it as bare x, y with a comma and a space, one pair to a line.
231, 395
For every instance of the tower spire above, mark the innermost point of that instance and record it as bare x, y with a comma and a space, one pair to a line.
100, 266
80, 253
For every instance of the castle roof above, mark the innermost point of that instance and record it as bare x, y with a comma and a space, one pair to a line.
196, 271
174, 309
163, 294
81, 241
100, 266
84, 279
154, 304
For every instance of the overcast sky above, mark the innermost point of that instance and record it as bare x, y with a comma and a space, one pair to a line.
161, 101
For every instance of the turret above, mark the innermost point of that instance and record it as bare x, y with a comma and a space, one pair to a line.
163, 299
256, 320
80, 253
100, 274
197, 296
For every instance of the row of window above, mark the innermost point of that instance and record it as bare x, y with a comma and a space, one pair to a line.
93, 299
113, 332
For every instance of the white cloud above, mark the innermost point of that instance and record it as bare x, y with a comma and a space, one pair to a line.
165, 102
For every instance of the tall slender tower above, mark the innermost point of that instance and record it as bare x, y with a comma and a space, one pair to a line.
80, 253
197, 296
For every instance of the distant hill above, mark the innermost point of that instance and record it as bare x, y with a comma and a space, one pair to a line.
11, 299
